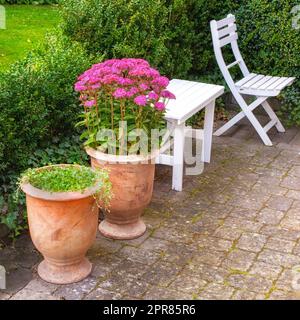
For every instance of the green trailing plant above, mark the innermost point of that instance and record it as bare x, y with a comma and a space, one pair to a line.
69, 178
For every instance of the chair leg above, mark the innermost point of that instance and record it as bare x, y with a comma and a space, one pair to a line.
273, 116
258, 127
179, 137
230, 123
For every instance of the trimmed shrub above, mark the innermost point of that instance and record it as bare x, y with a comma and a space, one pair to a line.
39, 109
136, 28
29, 2
271, 45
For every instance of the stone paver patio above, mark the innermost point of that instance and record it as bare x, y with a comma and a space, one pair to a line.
233, 233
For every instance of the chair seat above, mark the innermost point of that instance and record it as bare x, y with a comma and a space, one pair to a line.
261, 85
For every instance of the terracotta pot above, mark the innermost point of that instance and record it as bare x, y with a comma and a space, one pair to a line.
132, 186
63, 226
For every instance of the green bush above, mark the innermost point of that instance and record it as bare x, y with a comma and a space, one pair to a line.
173, 35
29, 2
136, 28
38, 111
271, 45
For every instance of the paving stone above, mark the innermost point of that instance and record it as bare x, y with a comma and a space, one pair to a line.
295, 171
214, 243
26, 294
291, 223
289, 280
251, 283
179, 254
296, 250
188, 284
270, 216
209, 257
166, 294
147, 257
279, 244
283, 295
161, 274
125, 285
102, 294
244, 295
76, 291
251, 242
228, 233
280, 232
265, 270
174, 235
279, 203
4, 296
293, 194
244, 213
249, 201
39, 285
215, 291
205, 272
156, 245
130, 268
103, 246
286, 260
103, 265
242, 224
239, 260
291, 182
137, 241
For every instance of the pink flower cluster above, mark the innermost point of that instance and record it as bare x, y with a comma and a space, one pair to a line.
128, 79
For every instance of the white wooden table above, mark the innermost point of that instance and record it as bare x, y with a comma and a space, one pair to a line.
191, 97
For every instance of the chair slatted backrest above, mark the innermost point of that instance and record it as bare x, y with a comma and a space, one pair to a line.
224, 32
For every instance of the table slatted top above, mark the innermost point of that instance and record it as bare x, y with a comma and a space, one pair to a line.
191, 97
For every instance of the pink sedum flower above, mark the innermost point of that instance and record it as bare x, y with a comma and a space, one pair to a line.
120, 93
90, 103
161, 81
153, 96
160, 106
167, 94
140, 100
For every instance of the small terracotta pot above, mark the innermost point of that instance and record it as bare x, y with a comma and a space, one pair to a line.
63, 226
132, 186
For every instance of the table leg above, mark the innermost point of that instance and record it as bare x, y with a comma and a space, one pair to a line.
178, 161
208, 130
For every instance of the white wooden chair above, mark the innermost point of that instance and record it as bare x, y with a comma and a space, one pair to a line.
261, 86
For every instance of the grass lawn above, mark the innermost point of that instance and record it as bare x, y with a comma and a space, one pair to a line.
26, 26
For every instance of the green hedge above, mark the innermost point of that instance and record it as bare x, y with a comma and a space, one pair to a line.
38, 111
29, 1
271, 45
173, 35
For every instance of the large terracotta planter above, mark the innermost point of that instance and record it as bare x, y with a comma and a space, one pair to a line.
62, 226
132, 186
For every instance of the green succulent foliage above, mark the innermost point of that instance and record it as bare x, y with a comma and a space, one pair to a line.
70, 178
62, 179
